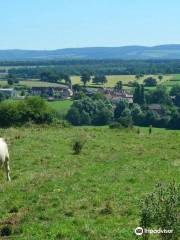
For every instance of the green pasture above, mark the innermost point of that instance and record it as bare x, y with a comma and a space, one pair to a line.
32, 83
96, 195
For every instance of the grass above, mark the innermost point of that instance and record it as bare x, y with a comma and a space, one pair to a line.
55, 194
112, 80
174, 80
32, 83
61, 107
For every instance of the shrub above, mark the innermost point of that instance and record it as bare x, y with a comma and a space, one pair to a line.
107, 209
78, 146
6, 230
160, 210
115, 125
33, 109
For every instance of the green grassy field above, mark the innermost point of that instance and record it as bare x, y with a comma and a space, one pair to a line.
61, 107
55, 194
175, 79
32, 83
112, 80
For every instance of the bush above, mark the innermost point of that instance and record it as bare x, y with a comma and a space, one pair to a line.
6, 230
174, 123
87, 111
115, 125
33, 109
78, 146
160, 210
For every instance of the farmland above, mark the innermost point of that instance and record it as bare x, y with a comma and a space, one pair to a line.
175, 79
168, 80
113, 79
32, 83
55, 194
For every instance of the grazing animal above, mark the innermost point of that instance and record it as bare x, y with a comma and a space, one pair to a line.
4, 157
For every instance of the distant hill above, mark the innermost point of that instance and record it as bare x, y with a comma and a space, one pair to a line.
171, 51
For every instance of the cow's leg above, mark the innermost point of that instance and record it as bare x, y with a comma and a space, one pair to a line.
7, 169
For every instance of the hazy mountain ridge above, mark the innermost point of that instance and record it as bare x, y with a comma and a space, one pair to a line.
171, 51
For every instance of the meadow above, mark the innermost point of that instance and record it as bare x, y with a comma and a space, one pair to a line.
55, 194
61, 107
174, 80
32, 83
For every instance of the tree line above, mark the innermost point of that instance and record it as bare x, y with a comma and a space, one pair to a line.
33, 69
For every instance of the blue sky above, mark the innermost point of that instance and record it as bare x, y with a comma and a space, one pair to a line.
53, 24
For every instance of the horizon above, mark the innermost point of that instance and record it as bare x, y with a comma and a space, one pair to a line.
44, 25
146, 46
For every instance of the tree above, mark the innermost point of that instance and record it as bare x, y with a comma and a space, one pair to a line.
99, 79
126, 119
151, 118
77, 88
133, 84
175, 93
11, 79
138, 76
174, 123
2, 96
73, 116
49, 76
103, 116
175, 90
67, 78
120, 107
138, 95
119, 86
142, 95
177, 100
150, 82
159, 95
85, 78
160, 77
137, 114
88, 111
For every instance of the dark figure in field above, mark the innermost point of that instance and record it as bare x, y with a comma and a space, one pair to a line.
150, 129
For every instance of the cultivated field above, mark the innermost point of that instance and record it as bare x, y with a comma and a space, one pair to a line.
168, 80
112, 80
96, 195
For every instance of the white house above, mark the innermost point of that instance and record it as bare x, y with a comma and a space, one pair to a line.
10, 92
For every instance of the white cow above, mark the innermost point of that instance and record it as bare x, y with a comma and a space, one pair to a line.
4, 157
